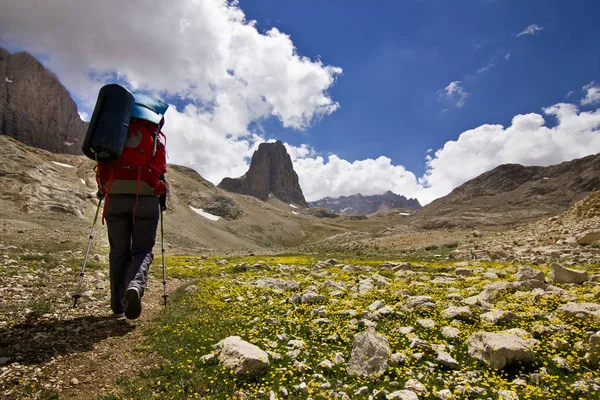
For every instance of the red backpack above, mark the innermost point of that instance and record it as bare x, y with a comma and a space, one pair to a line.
142, 162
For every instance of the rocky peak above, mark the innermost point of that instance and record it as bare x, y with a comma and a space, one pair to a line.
363, 205
271, 173
35, 108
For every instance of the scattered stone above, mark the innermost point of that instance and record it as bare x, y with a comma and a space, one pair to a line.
498, 317
589, 238
580, 310
527, 273
454, 312
444, 394
560, 274
310, 297
403, 395
497, 349
243, 357
450, 332
370, 354
507, 395
592, 348
463, 272
426, 323
415, 386
446, 360
75, 381
272, 283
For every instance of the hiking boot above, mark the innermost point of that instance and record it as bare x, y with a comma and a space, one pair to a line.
133, 303
118, 315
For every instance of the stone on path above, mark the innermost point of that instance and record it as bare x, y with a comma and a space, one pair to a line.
560, 274
243, 357
497, 349
370, 354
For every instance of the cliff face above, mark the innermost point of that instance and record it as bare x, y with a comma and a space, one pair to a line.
35, 108
363, 205
271, 173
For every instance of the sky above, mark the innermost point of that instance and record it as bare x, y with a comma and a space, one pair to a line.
413, 96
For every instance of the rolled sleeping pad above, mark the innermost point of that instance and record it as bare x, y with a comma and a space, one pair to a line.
107, 131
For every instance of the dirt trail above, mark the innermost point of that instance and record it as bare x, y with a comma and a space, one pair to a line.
51, 350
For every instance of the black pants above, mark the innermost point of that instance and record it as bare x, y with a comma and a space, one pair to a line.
131, 242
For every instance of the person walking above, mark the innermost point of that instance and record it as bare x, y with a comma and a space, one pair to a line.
134, 190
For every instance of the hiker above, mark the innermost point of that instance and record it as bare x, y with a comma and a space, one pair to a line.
134, 190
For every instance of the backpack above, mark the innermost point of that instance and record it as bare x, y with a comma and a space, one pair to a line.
139, 168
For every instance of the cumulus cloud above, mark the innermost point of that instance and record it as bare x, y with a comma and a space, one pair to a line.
592, 94
530, 30
526, 141
454, 94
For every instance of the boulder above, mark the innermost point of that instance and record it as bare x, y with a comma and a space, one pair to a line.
403, 395
454, 312
592, 348
527, 273
560, 274
580, 310
272, 283
243, 357
370, 354
589, 238
498, 349
498, 317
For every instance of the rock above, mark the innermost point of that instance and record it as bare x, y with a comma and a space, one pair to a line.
243, 357
498, 317
365, 286
397, 358
527, 273
271, 174
272, 283
310, 297
507, 395
75, 381
580, 310
497, 349
415, 385
450, 332
454, 312
463, 272
560, 274
192, 289
446, 360
370, 354
589, 238
4, 360
592, 348
403, 395
418, 302
426, 323
444, 394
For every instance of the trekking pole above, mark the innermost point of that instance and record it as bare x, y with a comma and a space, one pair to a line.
76, 296
162, 245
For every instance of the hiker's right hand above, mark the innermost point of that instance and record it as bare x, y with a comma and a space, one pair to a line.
163, 202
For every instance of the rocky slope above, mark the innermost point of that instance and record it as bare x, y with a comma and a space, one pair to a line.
271, 174
512, 193
35, 108
363, 205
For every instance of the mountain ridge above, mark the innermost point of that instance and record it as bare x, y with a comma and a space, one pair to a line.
359, 204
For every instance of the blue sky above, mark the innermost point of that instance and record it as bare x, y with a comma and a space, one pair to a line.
414, 96
398, 55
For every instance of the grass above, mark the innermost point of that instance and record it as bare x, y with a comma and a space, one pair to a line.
227, 304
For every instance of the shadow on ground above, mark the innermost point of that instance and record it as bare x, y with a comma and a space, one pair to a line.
37, 340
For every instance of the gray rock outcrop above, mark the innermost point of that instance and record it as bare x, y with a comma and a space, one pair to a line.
271, 173
35, 108
560, 274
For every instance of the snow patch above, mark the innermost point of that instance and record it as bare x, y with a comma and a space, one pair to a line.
62, 165
68, 144
293, 206
82, 180
7, 80
206, 215
403, 213
295, 213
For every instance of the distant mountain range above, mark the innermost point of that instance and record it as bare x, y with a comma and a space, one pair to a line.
358, 204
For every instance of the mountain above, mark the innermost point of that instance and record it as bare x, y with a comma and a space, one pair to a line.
271, 174
35, 108
363, 205
513, 193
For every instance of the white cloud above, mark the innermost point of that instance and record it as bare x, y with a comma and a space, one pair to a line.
530, 30
453, 93
507, 56
84, 116
526, 141
201, 51
592, 95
